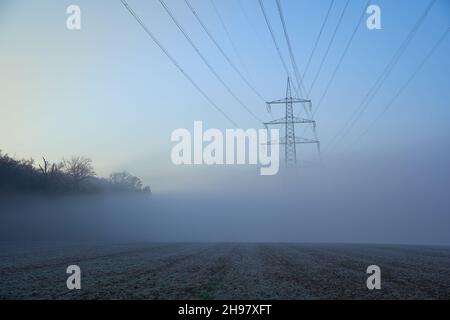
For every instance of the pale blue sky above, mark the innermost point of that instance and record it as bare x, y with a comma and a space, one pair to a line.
109, 93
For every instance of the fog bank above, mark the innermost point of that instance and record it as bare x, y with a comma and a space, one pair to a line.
391, 201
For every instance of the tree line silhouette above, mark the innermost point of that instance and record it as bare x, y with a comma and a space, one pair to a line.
75, 175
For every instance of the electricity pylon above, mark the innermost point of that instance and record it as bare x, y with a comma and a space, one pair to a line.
290, 141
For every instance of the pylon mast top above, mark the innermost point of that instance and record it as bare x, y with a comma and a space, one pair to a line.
288, 99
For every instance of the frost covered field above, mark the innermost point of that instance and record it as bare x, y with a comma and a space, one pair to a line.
224, 271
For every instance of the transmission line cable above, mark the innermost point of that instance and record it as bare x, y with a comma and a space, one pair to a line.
298, 77
405, 85
275, 42
341, 59
370, 95
333, 37
211, 37
174, 62
230, 39
206, 62
316, 43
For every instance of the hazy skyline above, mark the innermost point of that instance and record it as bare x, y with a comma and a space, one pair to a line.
107, 92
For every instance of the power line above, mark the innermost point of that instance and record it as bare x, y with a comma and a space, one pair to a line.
230, 39
329, 47
205, 61
298, 77
164, 50
316, 43
255, 30
347, 47
274, 40
211, 37
358, 112
405, 85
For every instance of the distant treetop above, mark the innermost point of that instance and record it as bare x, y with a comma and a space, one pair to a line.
73, 175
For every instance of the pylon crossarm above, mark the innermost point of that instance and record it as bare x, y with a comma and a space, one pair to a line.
306, 141
269, 143
283, 121
284, 101
303, 120
282, 141
273, 122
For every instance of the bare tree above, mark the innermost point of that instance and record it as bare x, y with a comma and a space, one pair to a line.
126, 181
147, 190
78, 168
70, 175
44, 169
50, 170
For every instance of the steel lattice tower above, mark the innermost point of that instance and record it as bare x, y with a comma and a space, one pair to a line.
290, 141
